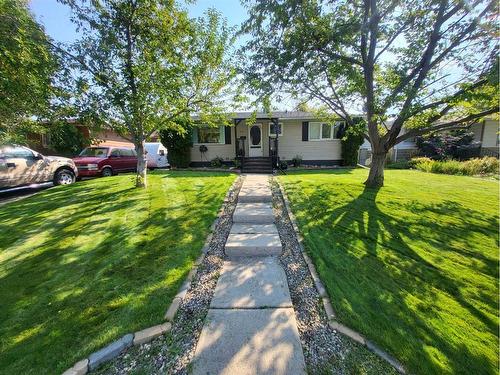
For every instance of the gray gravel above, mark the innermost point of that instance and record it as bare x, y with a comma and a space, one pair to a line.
319, 341
172, 353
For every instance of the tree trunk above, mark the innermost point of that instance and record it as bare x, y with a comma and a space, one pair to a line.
376, 175
140, 180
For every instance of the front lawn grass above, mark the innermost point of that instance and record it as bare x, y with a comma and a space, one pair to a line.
82, 265
413, 265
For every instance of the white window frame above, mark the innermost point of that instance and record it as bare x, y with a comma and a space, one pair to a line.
321, 132
220, 128
273, 134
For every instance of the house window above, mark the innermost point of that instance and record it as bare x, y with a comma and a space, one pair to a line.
206, 134
273, 127
320, 131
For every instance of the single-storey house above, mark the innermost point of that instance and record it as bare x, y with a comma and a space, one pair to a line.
258, 138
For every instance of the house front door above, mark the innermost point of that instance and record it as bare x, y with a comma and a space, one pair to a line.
255, 140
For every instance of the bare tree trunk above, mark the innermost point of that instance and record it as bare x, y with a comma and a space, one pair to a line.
376, 175
140, 180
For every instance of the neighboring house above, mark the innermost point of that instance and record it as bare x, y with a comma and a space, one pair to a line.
105, 137
258, 141
486, 132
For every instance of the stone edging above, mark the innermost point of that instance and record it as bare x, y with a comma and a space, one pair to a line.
330, 313
114, 349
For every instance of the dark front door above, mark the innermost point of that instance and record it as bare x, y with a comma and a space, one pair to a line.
255, 140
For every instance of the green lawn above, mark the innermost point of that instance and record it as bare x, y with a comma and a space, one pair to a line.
413, 266
84, 264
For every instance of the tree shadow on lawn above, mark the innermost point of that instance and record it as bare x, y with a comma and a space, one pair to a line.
64, 298
395, 293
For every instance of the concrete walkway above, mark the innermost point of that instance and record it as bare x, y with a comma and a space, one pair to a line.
250, 327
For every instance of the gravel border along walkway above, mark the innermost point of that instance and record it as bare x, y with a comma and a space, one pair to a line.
325, 349
172, 352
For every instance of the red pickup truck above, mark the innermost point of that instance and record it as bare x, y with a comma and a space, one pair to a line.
105, 161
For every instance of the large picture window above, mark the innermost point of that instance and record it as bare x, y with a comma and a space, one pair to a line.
206, 134
320, 131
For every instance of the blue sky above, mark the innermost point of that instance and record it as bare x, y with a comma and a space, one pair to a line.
56, 17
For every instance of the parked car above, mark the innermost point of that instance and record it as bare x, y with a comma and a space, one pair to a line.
156, 154
105, 161
21, 166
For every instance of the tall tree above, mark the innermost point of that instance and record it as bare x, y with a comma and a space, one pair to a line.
417, 64
26, 70
142, 64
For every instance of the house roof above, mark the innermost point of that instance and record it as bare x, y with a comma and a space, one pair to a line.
296, 115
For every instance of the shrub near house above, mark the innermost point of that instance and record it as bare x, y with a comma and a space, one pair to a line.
472, 167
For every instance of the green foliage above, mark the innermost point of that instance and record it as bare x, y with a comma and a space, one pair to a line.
351, 141
66, 138
216, 162
413, 266
472, 167
388, 59
398, 165
97, 260
297, 160
178, 144
26, 68
143, 64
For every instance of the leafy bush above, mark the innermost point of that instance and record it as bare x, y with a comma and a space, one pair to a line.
352, 139
297, 160
456, 144
216, 162
472, 167
399, 165
178, 144
237, 162
66, 139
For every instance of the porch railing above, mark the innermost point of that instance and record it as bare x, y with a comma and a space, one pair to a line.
273, 151
240, 150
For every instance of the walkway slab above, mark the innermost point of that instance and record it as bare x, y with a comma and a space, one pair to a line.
261, 213
251, 283
251, 194
244, 244
249, 342
254, 228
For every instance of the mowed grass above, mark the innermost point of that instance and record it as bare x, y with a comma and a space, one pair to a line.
413, 265
83, 265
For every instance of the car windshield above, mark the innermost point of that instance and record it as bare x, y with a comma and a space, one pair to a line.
100, 152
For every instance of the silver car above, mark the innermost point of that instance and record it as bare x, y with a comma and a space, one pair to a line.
21, 166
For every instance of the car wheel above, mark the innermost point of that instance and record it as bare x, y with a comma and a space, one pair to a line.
107, 172
64, 177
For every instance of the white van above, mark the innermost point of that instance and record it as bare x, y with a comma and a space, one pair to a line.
156, 154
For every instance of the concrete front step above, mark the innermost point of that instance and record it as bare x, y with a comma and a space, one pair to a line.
251, 283
255, 194
254, 228
248, 245
260, 213
249, 342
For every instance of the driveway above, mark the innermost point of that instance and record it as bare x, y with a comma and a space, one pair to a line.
20, 193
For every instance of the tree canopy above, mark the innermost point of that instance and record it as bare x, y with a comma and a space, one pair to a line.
27, 66
140, 65
425, 65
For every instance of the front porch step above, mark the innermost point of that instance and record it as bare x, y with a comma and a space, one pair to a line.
255, 213
253, 245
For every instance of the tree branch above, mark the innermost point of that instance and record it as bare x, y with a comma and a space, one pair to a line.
446, 125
